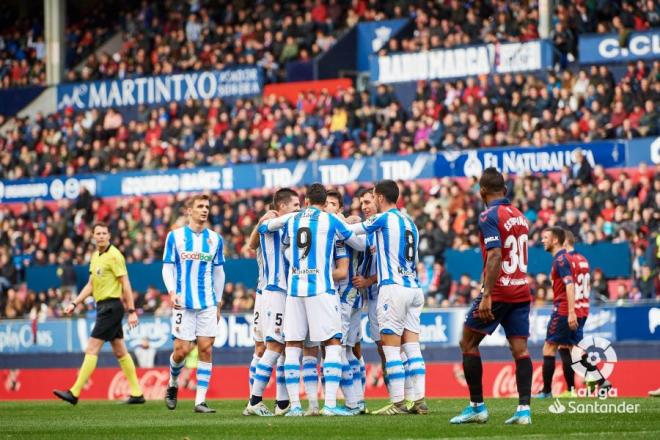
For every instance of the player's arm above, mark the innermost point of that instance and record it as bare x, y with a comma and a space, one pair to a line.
127, 292
82, 296
219, 285
493, 244
253, 241
359, 242
362, 282
169, 270
341, 269
563, 268
275, 224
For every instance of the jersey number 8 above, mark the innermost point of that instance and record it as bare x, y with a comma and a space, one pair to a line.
410, 245
517, 254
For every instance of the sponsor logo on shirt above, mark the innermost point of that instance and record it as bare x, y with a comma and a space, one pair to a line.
406, 273
197, 256
507, 281
297, 271
490, 239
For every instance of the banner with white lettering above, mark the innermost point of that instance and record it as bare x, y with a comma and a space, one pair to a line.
461, 62
529, 160
610, 48
227, 84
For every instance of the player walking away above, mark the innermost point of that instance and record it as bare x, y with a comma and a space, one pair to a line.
400, 298
346, 260
504, 299
312, 306
565, 326
273, 303
259, 344
194, 276
108, 281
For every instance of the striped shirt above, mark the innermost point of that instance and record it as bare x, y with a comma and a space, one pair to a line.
367, 267
347, 292
397, 240
312, 235
274, 265
261, 280
194, 255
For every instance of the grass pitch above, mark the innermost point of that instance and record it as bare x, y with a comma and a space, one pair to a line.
108, 420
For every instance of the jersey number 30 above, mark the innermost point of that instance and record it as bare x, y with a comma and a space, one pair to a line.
517, 247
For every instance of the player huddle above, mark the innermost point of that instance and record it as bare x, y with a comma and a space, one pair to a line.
316, 271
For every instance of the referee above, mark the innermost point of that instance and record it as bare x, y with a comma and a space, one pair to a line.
108, 279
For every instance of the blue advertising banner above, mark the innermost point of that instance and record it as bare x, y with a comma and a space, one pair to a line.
646, 150
227, 84
439, 327
461, 62
372, 36
516, 160
598, 49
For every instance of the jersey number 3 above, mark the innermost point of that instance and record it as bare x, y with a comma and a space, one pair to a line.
517, 247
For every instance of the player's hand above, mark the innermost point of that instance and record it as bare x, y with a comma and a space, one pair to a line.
133, 320
268, 216
68, 310
572, 321
176, 301
360, 282
485, 310
353, 219
219, 312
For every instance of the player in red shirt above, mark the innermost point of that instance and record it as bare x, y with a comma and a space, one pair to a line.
504, 300
564, 327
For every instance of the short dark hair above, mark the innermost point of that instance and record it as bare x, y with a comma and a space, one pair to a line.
558, 232
389, 189
283, 195
337, 195
569, 238
492, 181
363, 191
100, 225
316, 194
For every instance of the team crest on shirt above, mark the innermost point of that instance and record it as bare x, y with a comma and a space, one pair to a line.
371, 219
99, 271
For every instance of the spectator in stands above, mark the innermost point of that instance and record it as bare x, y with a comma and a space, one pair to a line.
599, 287
646, 283
440, 283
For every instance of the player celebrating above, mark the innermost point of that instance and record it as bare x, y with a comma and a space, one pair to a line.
564, 327
108, 280
194, 277
311, 305
285, 201
504, 299
400, 298
351, 312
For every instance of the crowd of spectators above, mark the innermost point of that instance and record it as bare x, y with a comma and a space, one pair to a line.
595, 206
23, 46
476, 112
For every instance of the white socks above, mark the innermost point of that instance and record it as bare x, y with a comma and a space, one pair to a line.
203, 379
281, 393
416, 369
253, 369
263, 372
395, 372
310, 376
292, 374
332, 370
175, 370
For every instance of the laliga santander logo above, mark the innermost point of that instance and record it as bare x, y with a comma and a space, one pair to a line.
153, 383
593, 358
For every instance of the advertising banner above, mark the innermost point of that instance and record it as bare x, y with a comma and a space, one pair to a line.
231, 382
461, 62
372, 36
598, 49
157, 90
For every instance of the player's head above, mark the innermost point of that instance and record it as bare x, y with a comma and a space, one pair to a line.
553, 238
286, 200
569, 240
386, 193
334, 202
198, 207
316, 195
492, 185
367, 202
101, 235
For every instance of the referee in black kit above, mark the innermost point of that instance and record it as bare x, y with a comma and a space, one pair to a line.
108, 279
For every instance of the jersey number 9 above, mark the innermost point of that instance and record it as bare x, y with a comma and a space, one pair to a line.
304, 241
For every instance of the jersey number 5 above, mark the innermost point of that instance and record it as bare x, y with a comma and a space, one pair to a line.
304, 241
517, 248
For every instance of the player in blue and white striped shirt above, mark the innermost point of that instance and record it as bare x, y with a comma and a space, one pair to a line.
273, 301
194, 277
312, 305
400, 298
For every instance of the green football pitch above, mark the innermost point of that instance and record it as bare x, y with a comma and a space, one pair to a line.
107, 420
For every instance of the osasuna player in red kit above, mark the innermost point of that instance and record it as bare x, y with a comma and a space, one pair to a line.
564, 327
504, 299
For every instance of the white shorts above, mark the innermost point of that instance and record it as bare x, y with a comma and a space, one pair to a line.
273, 305
188, 324
319, 316
257, 319
350, 324
372, 312
399, 308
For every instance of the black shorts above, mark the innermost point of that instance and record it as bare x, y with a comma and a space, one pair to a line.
109, 314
